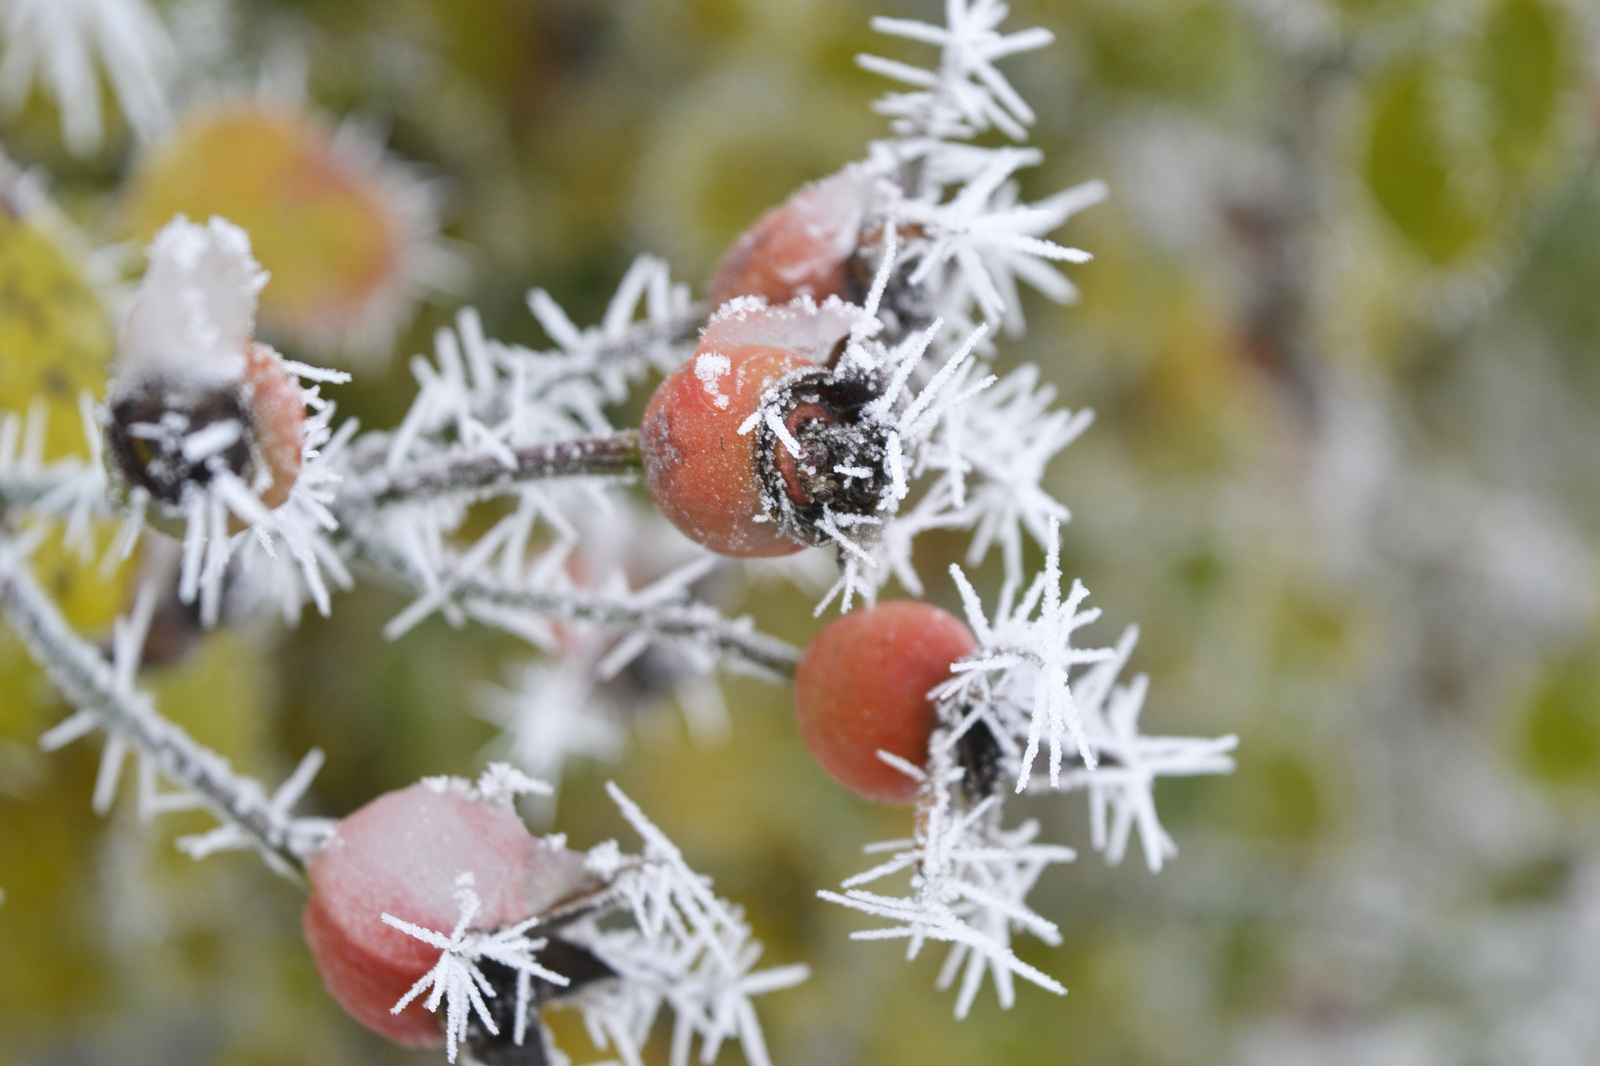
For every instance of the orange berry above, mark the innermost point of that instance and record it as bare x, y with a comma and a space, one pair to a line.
863, 685
704, 475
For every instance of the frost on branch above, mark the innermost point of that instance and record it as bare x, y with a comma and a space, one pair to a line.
686, 949
1016, 693
106, 699
1023, 661
578, 703
982, 232
484, 397
969, 884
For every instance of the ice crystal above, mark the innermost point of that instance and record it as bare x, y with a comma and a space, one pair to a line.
1024, 657
967, 94
456, 980
969, 884
687, 950
62, 43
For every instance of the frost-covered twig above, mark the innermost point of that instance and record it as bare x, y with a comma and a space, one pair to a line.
688, 950
735, 641
105, 697
478, 473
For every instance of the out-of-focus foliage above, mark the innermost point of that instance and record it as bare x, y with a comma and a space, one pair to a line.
1343, 337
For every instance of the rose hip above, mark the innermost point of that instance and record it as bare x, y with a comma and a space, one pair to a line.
863, 686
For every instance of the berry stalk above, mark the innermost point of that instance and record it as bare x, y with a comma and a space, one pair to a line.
615, 455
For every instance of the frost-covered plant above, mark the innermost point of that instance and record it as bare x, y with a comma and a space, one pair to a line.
839, 395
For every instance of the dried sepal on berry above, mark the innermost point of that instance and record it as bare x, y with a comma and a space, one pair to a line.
768, 439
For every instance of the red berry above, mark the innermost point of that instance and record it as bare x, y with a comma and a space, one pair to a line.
401, 854
803, 247
863, 687
704, 474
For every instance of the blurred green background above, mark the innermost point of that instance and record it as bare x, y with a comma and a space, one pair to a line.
1342, 334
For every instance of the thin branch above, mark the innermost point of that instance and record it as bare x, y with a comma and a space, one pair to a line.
89, 682
485, 473
699, 623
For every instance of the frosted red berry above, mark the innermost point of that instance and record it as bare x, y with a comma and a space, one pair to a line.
803, 247
804, 453
704, 474
402, 854
863, 685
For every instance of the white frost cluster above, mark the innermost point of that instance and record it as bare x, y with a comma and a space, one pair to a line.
64, 44
961, 194
483, 397
456, 980
969, 884
687, 950
72, 490
969, 876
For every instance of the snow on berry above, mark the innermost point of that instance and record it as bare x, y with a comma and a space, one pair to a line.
403, 855
209, 427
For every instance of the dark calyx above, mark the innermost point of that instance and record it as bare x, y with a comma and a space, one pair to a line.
151, 426
978, 752
839, 469
905, 307
578, 964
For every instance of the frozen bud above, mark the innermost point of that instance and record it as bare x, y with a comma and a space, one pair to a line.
804, 247
405, 854
193, 395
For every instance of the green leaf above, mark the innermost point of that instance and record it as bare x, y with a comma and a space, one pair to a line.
1520, 69
55, 335
1413, 173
